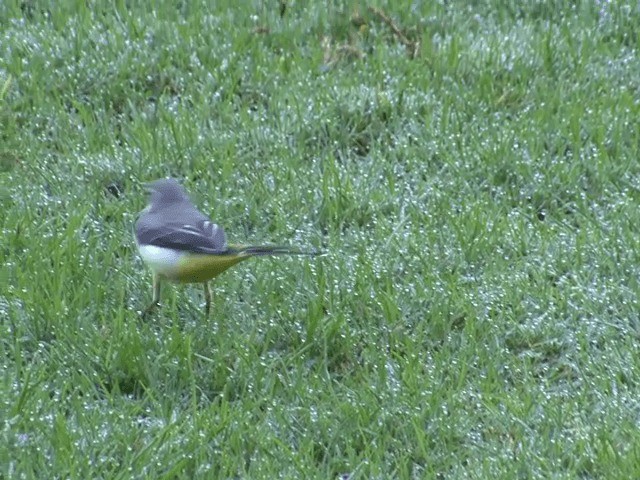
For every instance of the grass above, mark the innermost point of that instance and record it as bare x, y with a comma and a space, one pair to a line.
473, 176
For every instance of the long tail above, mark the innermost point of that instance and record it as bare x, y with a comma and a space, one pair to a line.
264, 250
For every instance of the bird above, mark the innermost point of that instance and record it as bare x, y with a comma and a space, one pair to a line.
180, 244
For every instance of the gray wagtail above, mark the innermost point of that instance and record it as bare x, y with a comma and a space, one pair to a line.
180, 244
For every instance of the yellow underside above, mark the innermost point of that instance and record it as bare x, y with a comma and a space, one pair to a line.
196, 268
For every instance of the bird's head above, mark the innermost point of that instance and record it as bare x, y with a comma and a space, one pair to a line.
164, 192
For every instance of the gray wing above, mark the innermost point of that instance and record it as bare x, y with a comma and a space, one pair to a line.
196, 235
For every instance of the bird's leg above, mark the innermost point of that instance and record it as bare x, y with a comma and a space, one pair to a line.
156, 296
207, 298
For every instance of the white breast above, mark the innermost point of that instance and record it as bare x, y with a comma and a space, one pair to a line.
160, 260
